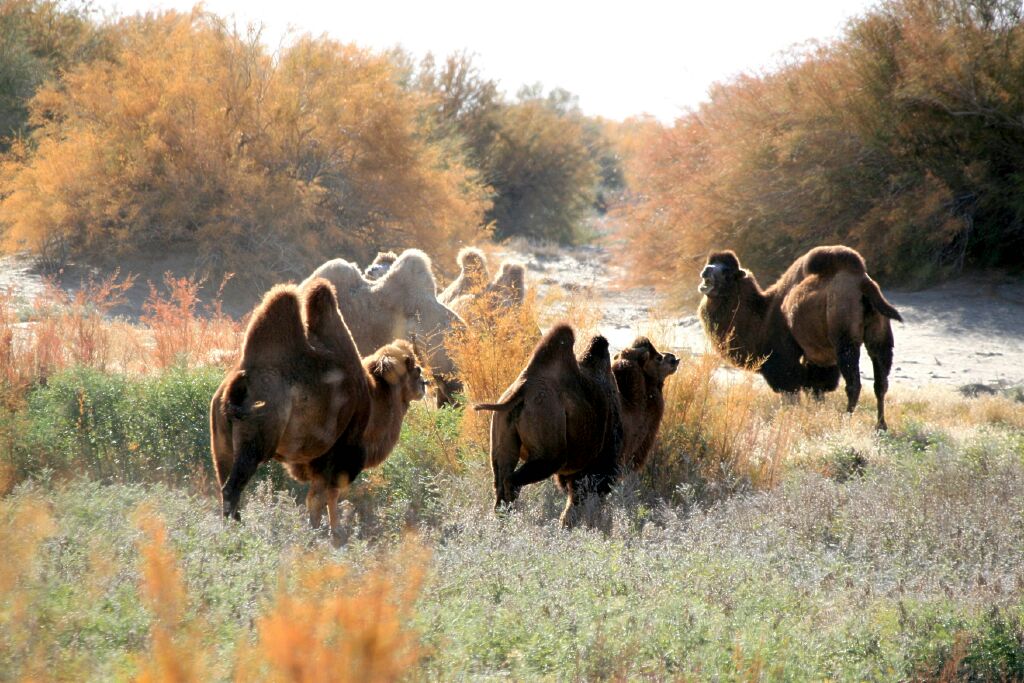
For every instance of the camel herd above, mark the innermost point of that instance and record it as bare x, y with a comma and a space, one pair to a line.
303, 393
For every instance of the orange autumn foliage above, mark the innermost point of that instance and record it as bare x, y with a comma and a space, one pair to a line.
195, 135
898, 139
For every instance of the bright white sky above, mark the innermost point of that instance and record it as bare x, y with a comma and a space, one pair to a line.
621, 58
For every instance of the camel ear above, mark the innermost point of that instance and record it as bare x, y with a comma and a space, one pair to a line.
741, 273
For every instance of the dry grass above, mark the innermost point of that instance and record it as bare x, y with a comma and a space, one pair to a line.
325, 623
62, 329
497, 344
180, 334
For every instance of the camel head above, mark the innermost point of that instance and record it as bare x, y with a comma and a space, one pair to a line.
473, 264
396, 365
656, 365
720, 274
381, 264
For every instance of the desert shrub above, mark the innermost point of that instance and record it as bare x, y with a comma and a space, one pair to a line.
112, 427
193, 134
38, 40
544, 161
543, 173
895, 139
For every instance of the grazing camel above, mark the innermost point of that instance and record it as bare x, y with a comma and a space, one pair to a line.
400, 304
807, 328
560, 416
301, 395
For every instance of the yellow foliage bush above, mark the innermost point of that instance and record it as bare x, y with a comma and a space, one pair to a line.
194, 134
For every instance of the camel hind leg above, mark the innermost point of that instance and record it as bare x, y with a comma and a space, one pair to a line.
845, 320
879, 342
542, 429
848, 353
505, 449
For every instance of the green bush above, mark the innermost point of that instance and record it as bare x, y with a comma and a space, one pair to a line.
109, 427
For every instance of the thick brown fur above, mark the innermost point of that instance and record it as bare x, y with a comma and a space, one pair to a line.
381, 264
559, 417
805, 330
301, 395
473, 275
401, 304
640, 372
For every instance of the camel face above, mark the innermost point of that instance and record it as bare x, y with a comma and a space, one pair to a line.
656, 365
662, 366
415, 386
720, 274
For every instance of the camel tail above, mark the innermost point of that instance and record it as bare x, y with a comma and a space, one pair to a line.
498, 407
236, 405
869, 288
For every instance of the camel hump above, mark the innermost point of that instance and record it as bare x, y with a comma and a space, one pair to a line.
873, 293
410, 274
275, 334
324, 323
554, 347
471, 259
596, 356
827, 261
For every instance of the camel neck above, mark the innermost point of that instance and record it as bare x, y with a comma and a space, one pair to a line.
737, 323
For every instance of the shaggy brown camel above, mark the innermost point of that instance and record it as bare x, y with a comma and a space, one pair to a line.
560, 416
401, 304
301, 395
807, 328
640, 372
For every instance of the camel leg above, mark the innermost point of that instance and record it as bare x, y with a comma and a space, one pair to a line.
581, 490
338, 535
316, 501
540, 466
821, 379
880, 351
505, 448
338, 468
849, 365
252, 447
573, 503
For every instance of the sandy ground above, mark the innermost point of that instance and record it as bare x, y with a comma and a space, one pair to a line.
965, 332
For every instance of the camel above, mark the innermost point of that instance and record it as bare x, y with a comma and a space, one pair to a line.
561, 416
807, 328
507, 290
473, 275
640, 372
301, 395
400, 304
